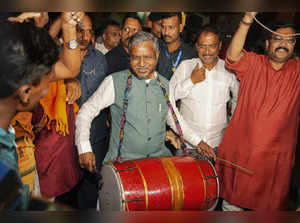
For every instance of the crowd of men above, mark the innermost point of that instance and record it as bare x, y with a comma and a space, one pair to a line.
77, 100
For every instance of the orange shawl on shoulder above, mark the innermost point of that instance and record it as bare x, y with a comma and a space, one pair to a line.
54, 105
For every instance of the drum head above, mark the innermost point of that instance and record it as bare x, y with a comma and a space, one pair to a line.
111, 193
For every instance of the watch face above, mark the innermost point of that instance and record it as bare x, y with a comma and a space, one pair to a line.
73, 44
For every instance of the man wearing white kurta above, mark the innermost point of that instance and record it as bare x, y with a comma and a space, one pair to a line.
203, 85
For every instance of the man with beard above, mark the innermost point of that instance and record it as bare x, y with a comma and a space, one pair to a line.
262, 133
173, 50
204, 85
92, 73
137, 103
118, 58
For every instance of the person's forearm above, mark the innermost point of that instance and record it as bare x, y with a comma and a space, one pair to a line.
70, 57
234, 51
55, 28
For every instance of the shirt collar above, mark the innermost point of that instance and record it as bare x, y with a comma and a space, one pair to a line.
216, 67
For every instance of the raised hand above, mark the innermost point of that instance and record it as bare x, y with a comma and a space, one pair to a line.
249, 16
42, 20
25, 16
73, 18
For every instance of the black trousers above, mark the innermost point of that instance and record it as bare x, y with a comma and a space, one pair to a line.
88, 189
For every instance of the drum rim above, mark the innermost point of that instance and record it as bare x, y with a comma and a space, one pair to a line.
218, 186
122, 195
120, 185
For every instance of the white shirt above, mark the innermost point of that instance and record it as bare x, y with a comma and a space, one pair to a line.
103, 97
203, 112
101, 48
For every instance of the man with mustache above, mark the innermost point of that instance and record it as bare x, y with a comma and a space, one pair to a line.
137, 103
173, 49
92, 73
118, 58
204, 85
262, 133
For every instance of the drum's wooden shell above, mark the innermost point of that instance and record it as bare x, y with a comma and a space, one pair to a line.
166, 183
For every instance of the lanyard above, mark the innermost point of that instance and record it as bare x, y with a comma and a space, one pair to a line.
174, 65
125, 106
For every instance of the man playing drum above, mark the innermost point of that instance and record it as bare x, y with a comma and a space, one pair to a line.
139, 118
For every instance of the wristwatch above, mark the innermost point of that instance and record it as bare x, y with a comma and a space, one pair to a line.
72, 44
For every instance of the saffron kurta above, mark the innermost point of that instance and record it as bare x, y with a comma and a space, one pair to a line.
261, 135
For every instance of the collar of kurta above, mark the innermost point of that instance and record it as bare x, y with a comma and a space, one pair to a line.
152, 81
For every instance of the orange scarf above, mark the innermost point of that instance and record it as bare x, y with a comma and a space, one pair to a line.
54, 105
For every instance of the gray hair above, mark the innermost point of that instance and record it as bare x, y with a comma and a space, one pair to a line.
141, 37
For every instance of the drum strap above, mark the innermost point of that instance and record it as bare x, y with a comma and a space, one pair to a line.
179, 129
125, 106
123, 119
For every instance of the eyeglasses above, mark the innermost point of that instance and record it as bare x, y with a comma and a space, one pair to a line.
279, 39
204, 47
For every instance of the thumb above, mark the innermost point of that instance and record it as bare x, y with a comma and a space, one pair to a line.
197, 67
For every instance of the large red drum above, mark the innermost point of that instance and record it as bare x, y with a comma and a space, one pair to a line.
162, 183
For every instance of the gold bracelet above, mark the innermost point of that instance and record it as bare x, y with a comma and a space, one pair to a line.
246, 23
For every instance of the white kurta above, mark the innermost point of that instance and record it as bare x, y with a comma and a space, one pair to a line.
203, 113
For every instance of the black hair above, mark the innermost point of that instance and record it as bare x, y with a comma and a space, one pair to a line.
278, 25
171, 14
211, 28
132, 15
27, 54
107, 23
155, 16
